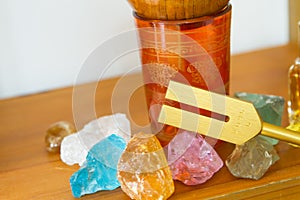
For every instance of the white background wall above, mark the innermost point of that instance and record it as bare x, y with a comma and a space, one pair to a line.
45, 43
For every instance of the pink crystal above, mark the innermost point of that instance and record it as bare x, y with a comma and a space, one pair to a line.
191, 159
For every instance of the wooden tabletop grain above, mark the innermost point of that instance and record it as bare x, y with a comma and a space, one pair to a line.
28, 171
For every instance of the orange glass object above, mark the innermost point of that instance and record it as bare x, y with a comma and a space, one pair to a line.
143, 170
194, 51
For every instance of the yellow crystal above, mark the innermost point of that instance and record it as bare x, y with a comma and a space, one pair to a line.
56, 133
143, 170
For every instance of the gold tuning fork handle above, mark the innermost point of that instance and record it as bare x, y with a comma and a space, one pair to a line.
280, 133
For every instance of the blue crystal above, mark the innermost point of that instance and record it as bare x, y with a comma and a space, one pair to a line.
99, 171
269, 107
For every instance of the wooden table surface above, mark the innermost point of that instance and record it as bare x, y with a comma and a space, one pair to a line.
28, 171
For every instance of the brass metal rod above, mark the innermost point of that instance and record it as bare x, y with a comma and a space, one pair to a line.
280, 133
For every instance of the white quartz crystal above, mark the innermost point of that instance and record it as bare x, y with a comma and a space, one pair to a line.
75, 147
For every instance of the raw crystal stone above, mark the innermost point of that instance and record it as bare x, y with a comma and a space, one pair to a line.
191, 159
252, 159
74, 148
269, 107
143, 169
99, 171
55, 134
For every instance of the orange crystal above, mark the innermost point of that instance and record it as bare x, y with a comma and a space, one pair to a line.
143, 170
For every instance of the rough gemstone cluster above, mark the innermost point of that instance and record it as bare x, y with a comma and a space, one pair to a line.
109, 157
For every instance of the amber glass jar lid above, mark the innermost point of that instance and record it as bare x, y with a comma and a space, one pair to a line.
176, 9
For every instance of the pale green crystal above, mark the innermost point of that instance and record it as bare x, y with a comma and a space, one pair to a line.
252, 159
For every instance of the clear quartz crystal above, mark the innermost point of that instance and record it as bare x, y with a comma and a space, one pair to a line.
294, 87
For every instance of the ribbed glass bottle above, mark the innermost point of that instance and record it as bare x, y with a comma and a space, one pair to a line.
294, 87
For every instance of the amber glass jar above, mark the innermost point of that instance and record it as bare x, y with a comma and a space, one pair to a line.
194, 51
